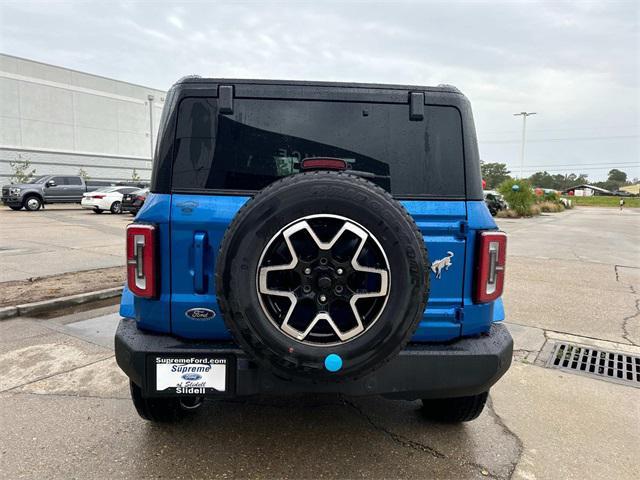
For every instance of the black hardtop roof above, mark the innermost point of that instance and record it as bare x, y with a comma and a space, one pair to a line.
442, 88
199, 87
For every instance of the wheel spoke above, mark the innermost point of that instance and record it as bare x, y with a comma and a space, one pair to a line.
384, 282
343, 336
264, 273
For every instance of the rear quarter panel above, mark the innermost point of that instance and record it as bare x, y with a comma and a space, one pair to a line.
154, 314
477, 318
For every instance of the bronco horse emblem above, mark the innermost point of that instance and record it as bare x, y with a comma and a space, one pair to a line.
438, 265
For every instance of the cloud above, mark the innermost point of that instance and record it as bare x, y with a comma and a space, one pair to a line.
175, 21
576, 63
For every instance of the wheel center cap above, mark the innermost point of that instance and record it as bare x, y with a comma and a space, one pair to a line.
324, 283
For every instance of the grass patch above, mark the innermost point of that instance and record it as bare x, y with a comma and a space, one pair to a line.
605, 201
16, 292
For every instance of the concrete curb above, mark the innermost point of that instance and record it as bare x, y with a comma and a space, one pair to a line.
55, 303
8, 312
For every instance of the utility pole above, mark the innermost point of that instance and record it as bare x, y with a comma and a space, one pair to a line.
151, 146
524, 116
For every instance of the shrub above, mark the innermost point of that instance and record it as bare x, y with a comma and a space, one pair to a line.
552, 207
22, 171
507, 214
533, 211
551, 197
521, 199
83, 173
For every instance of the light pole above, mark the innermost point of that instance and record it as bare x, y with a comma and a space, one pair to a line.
524, 116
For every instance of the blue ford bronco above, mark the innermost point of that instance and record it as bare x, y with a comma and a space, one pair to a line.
309, 237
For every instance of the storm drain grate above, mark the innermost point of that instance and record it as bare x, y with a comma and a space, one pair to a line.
614, 366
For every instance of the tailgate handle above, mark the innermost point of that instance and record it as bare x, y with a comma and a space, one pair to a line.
199, 279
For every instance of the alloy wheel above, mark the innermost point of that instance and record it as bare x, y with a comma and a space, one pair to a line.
323, 280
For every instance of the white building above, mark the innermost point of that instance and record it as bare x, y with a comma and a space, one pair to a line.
587, 191
62, 120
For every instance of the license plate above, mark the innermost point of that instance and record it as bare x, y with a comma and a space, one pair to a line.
201, 375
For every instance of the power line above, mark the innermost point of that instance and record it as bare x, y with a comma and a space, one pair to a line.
565, 139
598, 128
535, 170
597, 164
604, 164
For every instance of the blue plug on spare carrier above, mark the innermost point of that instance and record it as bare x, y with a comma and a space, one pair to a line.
333, 362
266, 252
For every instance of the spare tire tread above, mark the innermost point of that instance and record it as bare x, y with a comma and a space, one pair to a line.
273, 359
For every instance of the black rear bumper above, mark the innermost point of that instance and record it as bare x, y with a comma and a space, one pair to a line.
465, 367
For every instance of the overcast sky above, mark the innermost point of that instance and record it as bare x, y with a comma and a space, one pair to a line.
575, 63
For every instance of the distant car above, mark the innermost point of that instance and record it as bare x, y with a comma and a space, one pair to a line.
622, 193
107, 198
45, 189
495, 202
132, 202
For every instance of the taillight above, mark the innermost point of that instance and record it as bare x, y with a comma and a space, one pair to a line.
142, 274
141, 198
492, 253
99, 196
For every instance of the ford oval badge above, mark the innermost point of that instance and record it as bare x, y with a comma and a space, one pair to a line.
200, 313
191, 377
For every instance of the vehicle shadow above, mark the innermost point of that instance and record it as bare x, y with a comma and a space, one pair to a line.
327, 436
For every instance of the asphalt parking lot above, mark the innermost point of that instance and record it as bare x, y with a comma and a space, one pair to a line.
575, 276
59, 239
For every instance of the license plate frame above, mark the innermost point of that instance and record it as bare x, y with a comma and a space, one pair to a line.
188, 381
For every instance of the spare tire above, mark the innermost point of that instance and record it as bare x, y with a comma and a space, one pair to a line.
322, 276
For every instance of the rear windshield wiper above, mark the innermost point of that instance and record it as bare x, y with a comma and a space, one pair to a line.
362, 173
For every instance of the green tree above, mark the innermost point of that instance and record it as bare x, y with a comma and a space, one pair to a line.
494, 173
134, 176
83, 173
22, 171
542, 180
616, 179
519, 195
563, 181
617, 176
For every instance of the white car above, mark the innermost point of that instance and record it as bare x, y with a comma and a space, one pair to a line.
107, 198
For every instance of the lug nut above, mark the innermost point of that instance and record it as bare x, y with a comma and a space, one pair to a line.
323, 298
307, 271
340, 271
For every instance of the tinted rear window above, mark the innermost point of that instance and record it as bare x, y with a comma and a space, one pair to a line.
264, 140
